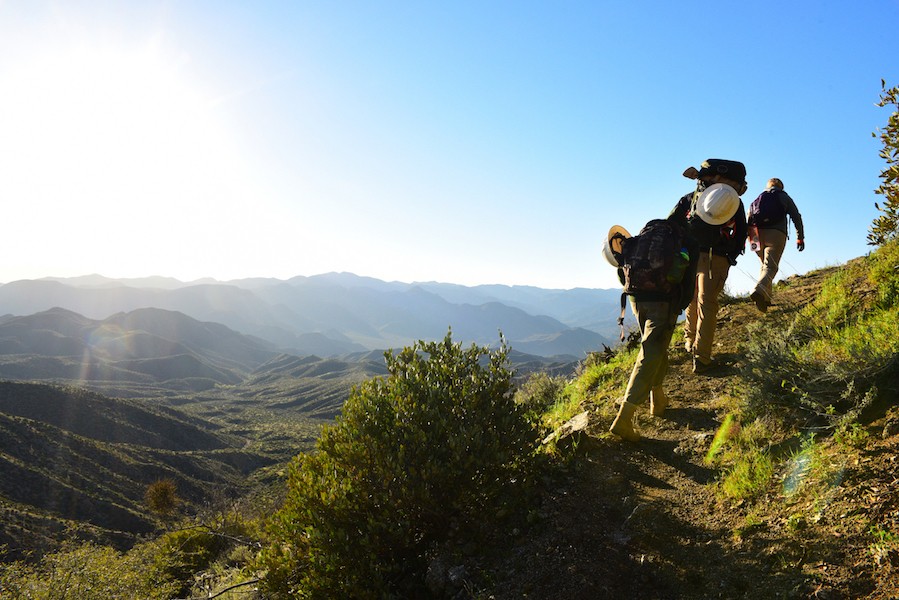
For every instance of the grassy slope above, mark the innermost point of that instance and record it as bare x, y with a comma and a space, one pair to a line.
816, 515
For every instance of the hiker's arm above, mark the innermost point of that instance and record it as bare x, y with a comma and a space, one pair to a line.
738, 243
681, 210
791, 209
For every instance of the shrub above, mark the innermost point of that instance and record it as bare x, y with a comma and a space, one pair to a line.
886, 226
87, 571
841, 353
182, 553
417, 458
540, 392
161, 497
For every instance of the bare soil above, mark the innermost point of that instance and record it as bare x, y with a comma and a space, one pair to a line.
644, 520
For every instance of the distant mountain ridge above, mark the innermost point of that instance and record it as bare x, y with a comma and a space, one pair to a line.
340, 313
146, 346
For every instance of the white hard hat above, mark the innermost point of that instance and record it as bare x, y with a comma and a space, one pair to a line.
608, 245
717, 204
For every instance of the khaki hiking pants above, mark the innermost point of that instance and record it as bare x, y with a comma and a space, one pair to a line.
657, 321
771, 248
702, 314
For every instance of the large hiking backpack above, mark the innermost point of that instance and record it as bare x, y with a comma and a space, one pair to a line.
655, 260
767, 209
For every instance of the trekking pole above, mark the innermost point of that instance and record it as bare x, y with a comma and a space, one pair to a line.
794, 269
748, 276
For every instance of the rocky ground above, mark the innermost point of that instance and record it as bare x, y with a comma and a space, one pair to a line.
644, 520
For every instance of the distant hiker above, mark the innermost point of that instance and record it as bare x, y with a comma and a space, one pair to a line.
657, 268
715, 217
768, 233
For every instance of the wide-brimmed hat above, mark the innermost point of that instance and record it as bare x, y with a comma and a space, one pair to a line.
732, 169
717, 204
611, 247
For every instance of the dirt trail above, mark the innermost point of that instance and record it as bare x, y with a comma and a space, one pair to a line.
641, 521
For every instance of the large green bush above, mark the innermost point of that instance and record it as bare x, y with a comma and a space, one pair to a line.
416, 460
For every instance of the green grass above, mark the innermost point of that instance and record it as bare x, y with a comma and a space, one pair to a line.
884, 549
749, 476
839, 356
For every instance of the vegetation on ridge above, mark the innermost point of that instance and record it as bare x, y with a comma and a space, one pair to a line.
886, 226
419, 459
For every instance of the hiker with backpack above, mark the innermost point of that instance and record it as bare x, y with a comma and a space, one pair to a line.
768, 234
657, 268
714, 216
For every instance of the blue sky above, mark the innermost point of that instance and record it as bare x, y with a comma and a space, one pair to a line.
462, 142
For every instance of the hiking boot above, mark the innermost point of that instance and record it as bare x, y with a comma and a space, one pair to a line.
700, 367
657, 402
623, 425
761, 302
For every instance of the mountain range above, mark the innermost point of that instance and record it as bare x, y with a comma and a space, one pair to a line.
109, 385
338, 314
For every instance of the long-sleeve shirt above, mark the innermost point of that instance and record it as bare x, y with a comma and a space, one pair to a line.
790, 211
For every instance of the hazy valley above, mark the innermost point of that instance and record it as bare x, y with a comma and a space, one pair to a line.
108, 386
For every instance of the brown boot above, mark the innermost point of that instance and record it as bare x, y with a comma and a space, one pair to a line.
623, 425
761, 300
657, 402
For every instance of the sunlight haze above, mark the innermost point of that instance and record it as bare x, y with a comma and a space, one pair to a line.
459, 142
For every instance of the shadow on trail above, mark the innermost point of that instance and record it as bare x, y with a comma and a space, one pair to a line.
695, 419
654, 549
664, 451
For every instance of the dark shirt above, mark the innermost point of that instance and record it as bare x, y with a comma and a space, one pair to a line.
730, 246
791, 211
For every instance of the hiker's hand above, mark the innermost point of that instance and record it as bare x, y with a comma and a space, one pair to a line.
800, 245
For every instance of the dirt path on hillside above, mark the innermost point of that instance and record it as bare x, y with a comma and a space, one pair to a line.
641, 520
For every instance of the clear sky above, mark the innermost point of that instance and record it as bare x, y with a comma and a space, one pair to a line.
462, 142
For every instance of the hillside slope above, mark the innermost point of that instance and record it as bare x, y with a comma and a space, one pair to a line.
642, 520
73, 459
148, 347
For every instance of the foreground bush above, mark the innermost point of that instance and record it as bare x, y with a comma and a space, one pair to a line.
86, 571
186, 562
418, 458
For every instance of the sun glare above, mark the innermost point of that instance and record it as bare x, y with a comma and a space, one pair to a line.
116, 145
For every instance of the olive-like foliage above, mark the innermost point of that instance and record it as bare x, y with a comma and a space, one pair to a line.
420, 456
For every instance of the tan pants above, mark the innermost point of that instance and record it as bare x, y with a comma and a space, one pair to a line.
702, 314
771, 248
657, 321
